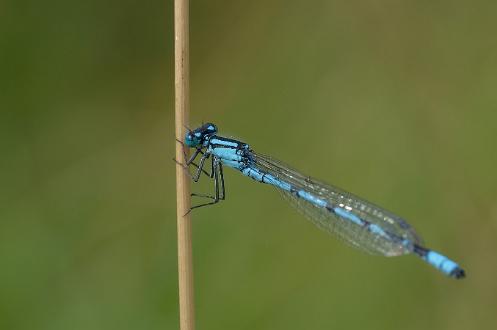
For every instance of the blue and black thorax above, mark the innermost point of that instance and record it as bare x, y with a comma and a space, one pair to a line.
230, 152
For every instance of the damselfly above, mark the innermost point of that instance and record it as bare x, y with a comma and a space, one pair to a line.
357, 221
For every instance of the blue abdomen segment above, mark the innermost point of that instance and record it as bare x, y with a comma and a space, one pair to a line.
440, 262
257, 175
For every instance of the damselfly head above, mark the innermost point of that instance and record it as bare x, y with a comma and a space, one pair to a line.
200, 135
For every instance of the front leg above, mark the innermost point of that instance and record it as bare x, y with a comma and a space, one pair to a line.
190, 161
201, 166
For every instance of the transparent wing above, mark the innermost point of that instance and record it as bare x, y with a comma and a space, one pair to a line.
399, 238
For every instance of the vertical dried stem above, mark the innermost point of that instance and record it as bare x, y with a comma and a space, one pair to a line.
182, 105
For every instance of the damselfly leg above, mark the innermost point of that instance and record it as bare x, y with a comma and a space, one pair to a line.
190, 161
219, 190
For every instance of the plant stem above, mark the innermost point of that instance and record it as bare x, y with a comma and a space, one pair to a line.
182, 105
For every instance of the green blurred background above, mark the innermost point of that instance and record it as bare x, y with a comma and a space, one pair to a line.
393, 100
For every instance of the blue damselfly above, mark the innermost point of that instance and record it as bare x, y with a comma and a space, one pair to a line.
357, 221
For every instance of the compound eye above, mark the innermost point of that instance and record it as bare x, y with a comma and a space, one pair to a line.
190, 140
